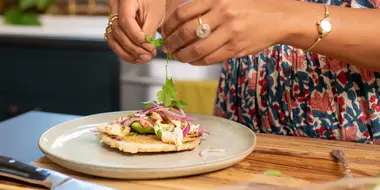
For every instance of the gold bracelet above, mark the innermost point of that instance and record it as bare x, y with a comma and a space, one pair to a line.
324, 28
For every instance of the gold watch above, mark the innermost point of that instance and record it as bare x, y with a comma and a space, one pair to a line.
324, 28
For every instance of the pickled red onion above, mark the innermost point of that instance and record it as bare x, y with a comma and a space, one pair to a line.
186, 129
175, 116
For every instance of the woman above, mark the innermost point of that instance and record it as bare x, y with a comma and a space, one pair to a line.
330, 91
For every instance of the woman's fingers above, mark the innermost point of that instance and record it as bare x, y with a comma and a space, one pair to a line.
114, 6
205, 46
139, 54
128, 23
150, 27
225, 52
183, 13
186, 33
120, 43
118, 50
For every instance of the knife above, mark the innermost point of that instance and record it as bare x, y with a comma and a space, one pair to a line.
15, 169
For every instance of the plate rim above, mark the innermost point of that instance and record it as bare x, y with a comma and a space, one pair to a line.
45, 152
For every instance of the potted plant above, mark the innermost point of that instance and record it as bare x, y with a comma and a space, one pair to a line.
26, 12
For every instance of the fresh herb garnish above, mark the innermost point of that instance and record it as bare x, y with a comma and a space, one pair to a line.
169, 56
122, 128
168, 92
179, 104
147, 104
155, 42
133, 134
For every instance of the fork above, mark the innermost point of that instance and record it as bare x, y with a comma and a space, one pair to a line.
341, 156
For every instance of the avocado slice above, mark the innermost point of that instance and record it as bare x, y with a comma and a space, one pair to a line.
140, 129
161, 127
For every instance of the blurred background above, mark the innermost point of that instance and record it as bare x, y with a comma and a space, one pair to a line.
53, 58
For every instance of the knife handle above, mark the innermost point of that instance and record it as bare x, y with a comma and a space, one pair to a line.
14, 169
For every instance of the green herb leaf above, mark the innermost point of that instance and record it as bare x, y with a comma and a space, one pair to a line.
133, 134
17, 17
155, 42
169, 56
272, 172
148, 38
122, 128
147, 104
168, 93
179, 104
159, 42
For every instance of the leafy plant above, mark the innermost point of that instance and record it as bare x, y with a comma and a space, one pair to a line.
22, 14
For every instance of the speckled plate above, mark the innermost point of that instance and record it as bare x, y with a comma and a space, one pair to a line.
72, 145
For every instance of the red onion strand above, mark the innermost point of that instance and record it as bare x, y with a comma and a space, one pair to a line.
142, 121
186, 129
203, 131
176, 116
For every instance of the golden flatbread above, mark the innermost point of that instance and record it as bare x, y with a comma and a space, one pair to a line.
147, 143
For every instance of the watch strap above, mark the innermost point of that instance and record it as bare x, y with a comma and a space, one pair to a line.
321, 35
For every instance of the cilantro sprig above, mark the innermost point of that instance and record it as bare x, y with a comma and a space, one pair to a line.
167, 95
155, 42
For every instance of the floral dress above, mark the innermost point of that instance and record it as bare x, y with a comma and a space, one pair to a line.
286, 91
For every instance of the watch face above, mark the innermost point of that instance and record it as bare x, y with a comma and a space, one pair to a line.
325, 26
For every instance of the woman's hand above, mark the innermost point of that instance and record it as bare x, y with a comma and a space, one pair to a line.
238, 28
136, 18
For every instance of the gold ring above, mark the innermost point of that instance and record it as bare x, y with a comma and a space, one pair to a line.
203, 29
112, 18
112, 15
108, 29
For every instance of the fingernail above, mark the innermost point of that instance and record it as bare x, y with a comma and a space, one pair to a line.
148, 46
144, 57
164, 49
139, 61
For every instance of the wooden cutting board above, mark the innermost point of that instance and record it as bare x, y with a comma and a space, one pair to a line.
302, 161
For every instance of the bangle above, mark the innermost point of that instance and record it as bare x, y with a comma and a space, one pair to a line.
324, 28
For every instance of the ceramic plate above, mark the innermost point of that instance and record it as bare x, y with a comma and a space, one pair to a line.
74, 146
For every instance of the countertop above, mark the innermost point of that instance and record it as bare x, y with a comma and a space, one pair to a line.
302, 161
19, 135
62, 27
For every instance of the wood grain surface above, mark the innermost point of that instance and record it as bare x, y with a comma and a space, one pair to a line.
302, 161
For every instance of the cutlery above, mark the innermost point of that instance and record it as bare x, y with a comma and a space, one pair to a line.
341, 156
12, 168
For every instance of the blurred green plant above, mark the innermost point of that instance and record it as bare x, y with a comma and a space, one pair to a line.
26, 12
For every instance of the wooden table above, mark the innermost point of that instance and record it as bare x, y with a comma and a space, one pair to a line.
302, 161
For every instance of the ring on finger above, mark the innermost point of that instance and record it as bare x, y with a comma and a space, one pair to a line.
112, 18
108, 29
105, 37
203, 29
113, 15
